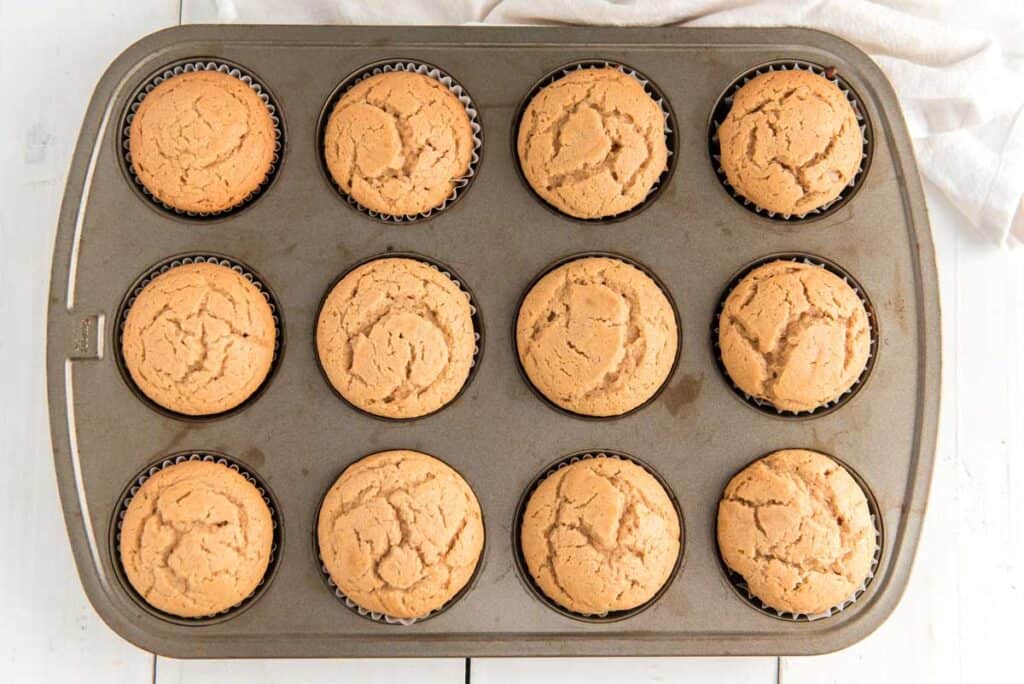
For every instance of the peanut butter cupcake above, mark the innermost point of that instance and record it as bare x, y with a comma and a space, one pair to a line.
397, 142
400, 533
597, 336
196, 539
794, 335
791, 141
592, 143
796, 526
202, 141
199, 339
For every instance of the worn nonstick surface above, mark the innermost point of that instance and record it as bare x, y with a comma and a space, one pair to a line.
299, 235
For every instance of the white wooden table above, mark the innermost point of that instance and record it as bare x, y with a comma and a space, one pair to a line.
954, 624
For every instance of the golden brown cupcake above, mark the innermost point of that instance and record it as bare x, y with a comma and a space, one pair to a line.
395, 338
593, 143
794, 335
400, 533
600, 535
397, 142
199, 339
796, 526
202, 141
597, 336
196, 539
791, 142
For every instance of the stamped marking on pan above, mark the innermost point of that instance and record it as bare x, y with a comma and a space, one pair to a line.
87, 337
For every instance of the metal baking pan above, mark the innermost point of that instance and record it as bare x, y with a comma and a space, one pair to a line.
298, 235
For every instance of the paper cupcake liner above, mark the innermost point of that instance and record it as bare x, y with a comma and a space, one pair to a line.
132, 490
183, 260
524, 570
188, 66
740, 584
764, 405
477, 319
374, 616
649, 87
461, 185
724, 104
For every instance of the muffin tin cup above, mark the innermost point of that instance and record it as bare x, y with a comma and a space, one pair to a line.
649, 87
743, 591
183, 260
724, 104
478, 330
461, 185
192, 66
626, 260
132, 489
763, 405
523, 568
374, 616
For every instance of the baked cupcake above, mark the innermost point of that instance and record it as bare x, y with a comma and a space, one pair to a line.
794, 335
592, 144
597, 336
400, 533
600, 535
397, 143
796, 526
395, 338
791, 142
199, 339
196, 539
202, 141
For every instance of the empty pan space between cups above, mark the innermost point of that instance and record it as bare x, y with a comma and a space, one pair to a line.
520, 559
762, 405
194, 65
163, 267
652, 90
277, 542
724, 104
576, 257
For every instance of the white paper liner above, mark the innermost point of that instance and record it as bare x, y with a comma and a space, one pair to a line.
792, 65
442, 77
473, 312
617, 615
126, 500
647, 272
188, 67
765, 405
740, 583
655, 95
198, 258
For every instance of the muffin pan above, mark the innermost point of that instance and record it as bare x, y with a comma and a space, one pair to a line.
296, 436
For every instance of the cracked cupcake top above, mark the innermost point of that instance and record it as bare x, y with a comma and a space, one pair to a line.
397, 142
797, 527
199, 339
593, 143
395, 338
597, 336
400, 533
791, 141
202, 141
600, 535
196, 539
794, 334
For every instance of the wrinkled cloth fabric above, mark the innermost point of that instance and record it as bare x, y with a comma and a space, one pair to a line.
958, 68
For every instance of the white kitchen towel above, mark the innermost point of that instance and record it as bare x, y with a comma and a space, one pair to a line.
957, 67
